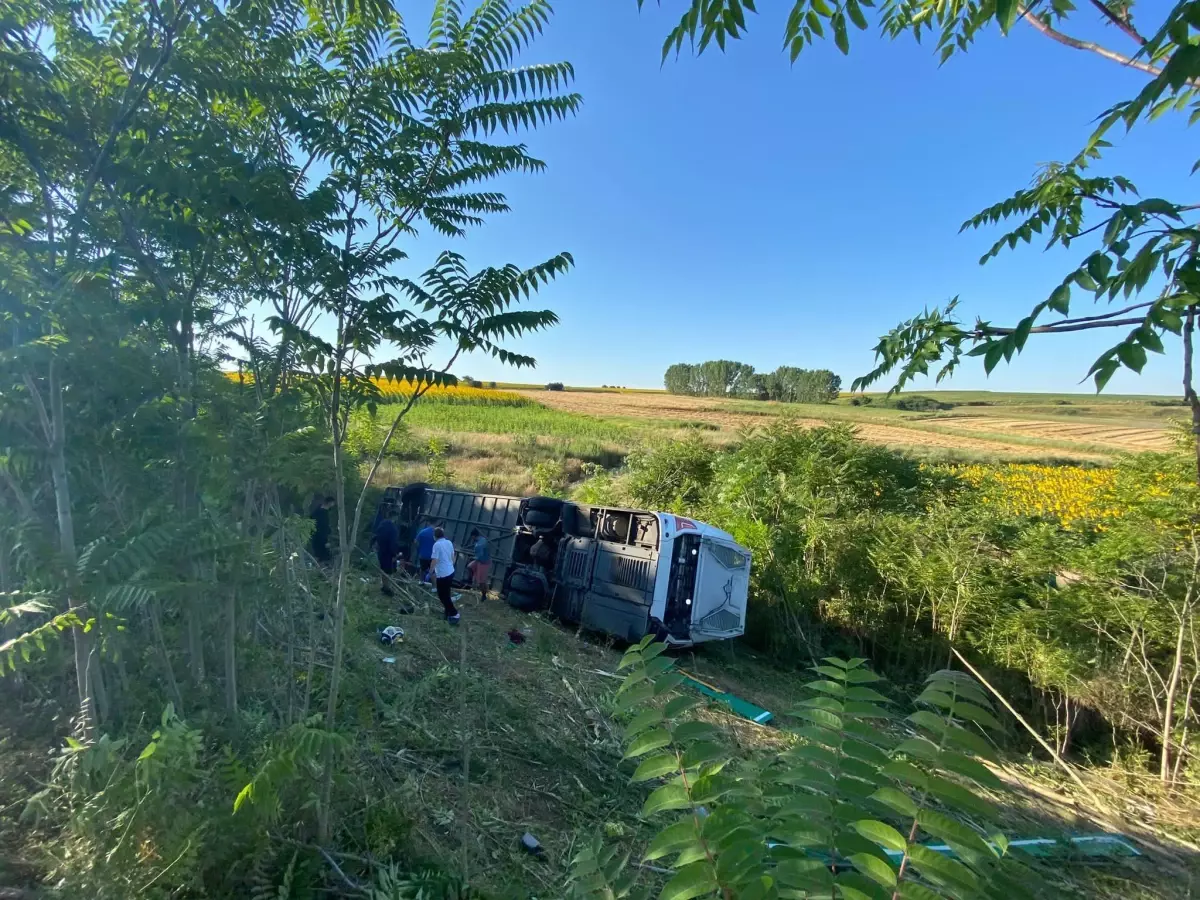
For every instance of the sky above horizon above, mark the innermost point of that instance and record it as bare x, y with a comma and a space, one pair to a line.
736, 206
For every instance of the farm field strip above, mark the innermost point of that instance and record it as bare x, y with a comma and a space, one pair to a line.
1123, 437
888, 428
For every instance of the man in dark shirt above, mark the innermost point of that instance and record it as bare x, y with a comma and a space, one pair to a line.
424, 541
319, 545
387, 548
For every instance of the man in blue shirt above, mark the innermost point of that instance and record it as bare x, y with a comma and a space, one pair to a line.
425, 541
481, 566
387, 548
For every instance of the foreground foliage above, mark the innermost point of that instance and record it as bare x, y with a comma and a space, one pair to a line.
173, 178
848, 811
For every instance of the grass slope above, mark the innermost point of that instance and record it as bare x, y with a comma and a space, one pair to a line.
486, 740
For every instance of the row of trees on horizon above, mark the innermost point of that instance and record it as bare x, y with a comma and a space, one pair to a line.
726, 378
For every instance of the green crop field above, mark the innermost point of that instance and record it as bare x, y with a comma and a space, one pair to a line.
572, 433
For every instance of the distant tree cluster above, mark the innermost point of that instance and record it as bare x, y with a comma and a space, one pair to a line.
726, 378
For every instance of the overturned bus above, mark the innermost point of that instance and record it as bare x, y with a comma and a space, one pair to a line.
625, 572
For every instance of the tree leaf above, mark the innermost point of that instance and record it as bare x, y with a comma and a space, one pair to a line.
920, 748
1132, 355
840, 38
655, 767
827, 687
686, 732
1060, 299
673, 837
942, 870
874, 868
677, 706
884, 835
1006, 14
972, 713
862, 676
695, 880
970, 768
955, 796
651, 740
896, 800
668, 797
667, 682
856, 14
702, 752
635, 696
807, 806
948, 829
968, 740
821, 717
646, 719
865, 694
865, 710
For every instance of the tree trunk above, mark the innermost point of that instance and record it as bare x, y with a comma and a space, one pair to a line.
6, 577
155, 615
1164, 772
231, 703
339, 616
311, 616
183, 496
85, 669
1189, 392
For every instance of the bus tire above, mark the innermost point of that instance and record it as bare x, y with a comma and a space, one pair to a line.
551, 505
526, 584
523, 602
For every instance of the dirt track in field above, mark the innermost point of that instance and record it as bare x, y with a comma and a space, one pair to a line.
1123, 438
702, 409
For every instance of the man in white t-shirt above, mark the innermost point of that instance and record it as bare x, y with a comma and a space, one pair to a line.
443, 573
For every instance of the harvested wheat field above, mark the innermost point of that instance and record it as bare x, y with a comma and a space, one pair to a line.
1120, 437
1084, 441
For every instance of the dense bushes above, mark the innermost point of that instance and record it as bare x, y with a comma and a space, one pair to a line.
1089, 594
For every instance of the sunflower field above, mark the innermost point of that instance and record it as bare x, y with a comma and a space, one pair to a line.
1076, 498
394, 391
452, 395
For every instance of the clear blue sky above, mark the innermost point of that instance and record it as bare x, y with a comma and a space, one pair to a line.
735, 206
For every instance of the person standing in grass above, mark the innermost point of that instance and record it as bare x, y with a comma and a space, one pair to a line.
387, 547
443, 573
481, 566
424, 540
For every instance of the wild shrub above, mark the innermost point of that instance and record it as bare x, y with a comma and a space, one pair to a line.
673, 477
550, 478
849, 811
435, 457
